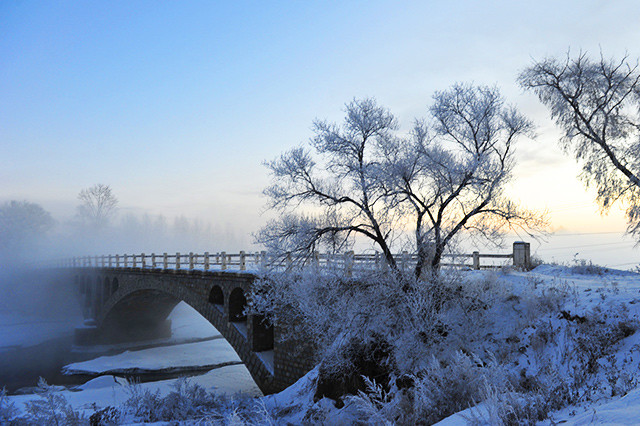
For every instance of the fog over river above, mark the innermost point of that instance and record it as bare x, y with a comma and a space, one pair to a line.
37, 323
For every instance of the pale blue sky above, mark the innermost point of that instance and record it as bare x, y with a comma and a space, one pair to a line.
176, 104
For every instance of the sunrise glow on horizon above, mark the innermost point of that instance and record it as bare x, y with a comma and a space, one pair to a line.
175, 105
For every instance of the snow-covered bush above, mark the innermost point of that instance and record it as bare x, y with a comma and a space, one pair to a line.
243, 412
507, 407
435, 392
190, 402
381, 326
443, 388
335, 312
51, 408
106, 417
143, 404
8, 410
187, 400
587, 267
407, 351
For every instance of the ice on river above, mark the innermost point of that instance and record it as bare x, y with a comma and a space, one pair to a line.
24, 330
167, 358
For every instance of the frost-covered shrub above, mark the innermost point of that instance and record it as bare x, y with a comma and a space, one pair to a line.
143, 404
186, 400
507, 407
586, 267
338, 314
190, 402
429, 395
8, 410
51, 408
330, 310
446, 388
376, 405
108, 416
244, 413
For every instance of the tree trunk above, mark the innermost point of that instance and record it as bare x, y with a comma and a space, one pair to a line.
422, 259
437, 257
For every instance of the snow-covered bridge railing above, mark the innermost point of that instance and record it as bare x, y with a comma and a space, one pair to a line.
243, 261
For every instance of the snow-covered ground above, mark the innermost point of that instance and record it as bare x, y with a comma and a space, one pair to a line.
605, 297
186, 323
617, 411
599, 289
107, 391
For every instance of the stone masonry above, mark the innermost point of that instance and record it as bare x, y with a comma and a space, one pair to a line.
132, 304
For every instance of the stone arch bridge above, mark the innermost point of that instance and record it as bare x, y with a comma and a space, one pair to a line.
129, 297
127, 304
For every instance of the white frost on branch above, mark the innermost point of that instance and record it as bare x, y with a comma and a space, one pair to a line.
364, 178
596, 103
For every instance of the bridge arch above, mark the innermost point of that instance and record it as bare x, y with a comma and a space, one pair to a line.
146, 297
216, 295
237, 305
147, 303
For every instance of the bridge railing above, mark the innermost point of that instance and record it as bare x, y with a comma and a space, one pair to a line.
243, 261
174, 261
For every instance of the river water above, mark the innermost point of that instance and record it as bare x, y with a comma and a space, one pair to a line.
33, 347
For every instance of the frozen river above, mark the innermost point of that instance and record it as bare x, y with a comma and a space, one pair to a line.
31, 347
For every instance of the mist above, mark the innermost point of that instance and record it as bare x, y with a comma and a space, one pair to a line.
40, 306
31, 242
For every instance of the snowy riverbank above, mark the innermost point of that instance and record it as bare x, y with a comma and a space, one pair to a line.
571, 331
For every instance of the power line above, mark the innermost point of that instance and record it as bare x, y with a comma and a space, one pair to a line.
590, 245
587, 233
624, 264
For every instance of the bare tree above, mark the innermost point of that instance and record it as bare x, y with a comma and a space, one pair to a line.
341, 183
597, 106
366, 179
451, 173
98, 205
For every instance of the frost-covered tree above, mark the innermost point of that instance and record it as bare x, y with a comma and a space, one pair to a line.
449, 175
339, 179
596, 103
8, 409
97, 205
364, 178
21, 224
